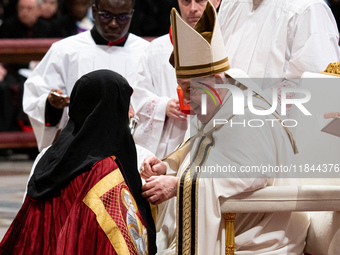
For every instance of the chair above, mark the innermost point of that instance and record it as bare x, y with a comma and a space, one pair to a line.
321, 195
305, 198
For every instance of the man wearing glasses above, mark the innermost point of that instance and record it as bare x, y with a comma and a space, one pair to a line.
108, 45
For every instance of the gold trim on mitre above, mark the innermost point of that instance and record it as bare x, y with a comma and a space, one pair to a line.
198, 51
332, 69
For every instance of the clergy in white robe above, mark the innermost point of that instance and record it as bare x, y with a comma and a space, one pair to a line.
107, 46
154, 85
279, 40
65, 62
216, 162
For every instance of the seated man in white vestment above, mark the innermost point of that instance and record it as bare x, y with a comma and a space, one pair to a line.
221, 157
162, 125
279, 40
108, 45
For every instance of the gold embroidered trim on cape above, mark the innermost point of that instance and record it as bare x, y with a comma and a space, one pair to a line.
92, 200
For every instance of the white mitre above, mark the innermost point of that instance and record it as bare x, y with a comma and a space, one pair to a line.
200, 51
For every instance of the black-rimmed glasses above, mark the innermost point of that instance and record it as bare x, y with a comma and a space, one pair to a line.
121, 19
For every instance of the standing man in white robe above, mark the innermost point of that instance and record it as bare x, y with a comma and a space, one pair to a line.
189, 196
107, 46
279, 40
162, 125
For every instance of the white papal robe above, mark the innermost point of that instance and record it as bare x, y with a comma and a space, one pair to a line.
154, 85
65, 62
279, 39
238, 145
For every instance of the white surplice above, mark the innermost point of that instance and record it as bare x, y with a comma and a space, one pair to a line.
65, 62
154, 85
279, 39
235, 145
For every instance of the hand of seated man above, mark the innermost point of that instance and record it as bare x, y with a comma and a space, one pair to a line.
160, 188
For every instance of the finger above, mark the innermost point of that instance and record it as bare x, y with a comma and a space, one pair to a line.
154, 160
58, 104
144, 175
149, 180
157, 202
147, 164
66, 101
159, 169
175, 111
146, 167
147, 174
61, 102
153, 199
174, 107
53, 98
148, 193
145, 187
59, 91
145, 194
148, 185
180, 117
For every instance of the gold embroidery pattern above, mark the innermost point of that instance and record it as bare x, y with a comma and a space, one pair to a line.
190, 188
135, 227
202, 70
187, 211
112, 204
332, 69
105, 200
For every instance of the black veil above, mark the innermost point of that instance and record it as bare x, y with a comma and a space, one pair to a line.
98, 127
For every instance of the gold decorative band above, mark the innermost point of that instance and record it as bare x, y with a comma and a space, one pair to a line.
229, 233
332, 69
202, 70
224, 61
187, 197
332, 74
105, 221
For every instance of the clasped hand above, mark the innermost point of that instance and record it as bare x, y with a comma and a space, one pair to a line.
158, 187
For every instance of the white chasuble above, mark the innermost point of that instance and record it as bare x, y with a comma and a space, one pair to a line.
193, 223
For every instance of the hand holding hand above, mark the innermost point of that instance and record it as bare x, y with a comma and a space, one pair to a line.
160, 188
152, 166
56, 101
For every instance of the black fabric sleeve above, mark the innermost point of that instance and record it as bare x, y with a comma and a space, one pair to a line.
52, 115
